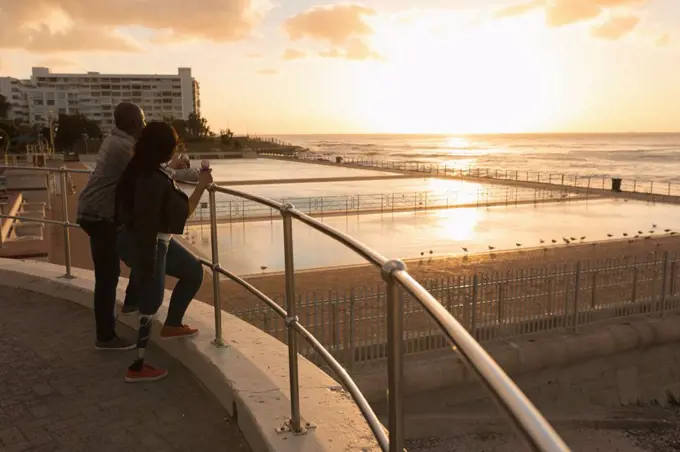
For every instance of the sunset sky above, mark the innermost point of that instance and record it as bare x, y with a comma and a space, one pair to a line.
380, 66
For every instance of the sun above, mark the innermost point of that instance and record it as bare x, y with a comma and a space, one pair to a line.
486, 78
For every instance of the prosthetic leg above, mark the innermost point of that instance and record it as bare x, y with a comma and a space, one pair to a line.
138, 370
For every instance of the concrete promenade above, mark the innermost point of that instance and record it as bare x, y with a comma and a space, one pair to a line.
57, 393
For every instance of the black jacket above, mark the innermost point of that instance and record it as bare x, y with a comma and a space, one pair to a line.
157, 206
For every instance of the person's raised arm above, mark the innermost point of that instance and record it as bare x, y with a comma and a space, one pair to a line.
204, 180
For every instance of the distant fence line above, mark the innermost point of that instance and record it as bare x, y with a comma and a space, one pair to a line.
241, 210
563, 179
352, 326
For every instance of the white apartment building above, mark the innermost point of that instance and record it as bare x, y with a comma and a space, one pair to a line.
47, 95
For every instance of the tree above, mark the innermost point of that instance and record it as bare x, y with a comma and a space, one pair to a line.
197, 126
5, 107
226, 136
10, 128
71, 128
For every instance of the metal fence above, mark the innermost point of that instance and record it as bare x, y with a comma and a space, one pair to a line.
531, 425
645, 186
235, 210
351, 324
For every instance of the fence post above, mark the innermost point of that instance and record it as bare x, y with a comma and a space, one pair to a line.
215, 266
395, 366
352, 351
294, 424
651, 187
672, 283
669, 189
663, 282
635, 276
634, 185
577, 286
500, 304
593, 303
475, 287
64, 219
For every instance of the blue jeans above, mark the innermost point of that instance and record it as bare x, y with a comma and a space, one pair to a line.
171, 259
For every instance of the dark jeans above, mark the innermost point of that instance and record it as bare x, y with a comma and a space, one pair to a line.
171, 259
103, 236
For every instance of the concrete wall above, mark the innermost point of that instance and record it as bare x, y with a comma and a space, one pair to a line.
625, 362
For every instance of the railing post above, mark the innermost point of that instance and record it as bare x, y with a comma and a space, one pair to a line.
395, 367
663, 282
577, 286
64, 219
217, 300
295, 423
473, 313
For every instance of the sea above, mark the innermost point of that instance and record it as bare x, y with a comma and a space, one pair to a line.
629, 156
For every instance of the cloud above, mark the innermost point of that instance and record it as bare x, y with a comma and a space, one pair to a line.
663, 40
268, 71
57, 62
341, 25
615, 27
77, 25
355, 50
293, 54
254, 55
519, 9
565, 12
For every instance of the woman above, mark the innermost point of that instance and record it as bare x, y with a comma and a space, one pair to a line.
151, 208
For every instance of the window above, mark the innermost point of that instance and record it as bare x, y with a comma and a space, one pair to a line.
136, 94
50, 101
38, 102
62, 111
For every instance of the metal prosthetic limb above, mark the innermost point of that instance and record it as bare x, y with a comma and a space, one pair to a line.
145, 322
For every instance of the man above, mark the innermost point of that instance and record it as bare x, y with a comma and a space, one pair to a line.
96, 206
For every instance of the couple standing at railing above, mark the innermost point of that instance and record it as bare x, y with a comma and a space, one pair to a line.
130, 208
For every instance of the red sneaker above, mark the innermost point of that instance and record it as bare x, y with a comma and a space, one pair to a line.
148, 373
172, 332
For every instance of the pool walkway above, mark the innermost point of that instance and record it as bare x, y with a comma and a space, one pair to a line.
57, 393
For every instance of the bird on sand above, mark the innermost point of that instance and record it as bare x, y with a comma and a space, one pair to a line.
518, 244
583, 238
625, 234
653, 226
491, 248
554, 241
610, 235
466, 250
573, 239
263, 267
542, 241
666, 230
566, 240
640, 232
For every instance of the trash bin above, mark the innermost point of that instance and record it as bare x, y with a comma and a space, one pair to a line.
338, 160
616, 185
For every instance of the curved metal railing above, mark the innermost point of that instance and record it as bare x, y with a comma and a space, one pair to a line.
536, 431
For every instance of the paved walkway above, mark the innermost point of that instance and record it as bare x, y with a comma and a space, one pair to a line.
59, 394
